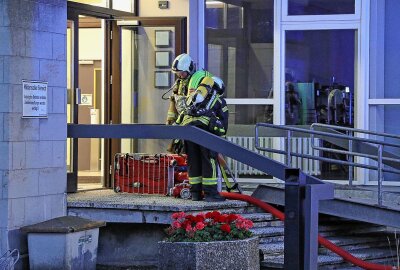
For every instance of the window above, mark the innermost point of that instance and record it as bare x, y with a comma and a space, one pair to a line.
239, 49
122, 5
320, 7
320, 77
98, 3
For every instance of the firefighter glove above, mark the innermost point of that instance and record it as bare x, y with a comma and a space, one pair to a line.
216, 127
177, 146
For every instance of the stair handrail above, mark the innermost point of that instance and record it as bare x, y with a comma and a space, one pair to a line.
303, 191
351, 153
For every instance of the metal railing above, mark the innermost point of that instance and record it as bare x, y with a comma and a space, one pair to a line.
303, 192
365, 148
300, 145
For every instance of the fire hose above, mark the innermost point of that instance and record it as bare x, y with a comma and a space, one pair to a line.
321, 240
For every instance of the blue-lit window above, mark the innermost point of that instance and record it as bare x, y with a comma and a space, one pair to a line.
321, 7
320, 77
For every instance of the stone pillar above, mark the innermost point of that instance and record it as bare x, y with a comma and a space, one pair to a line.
32, 151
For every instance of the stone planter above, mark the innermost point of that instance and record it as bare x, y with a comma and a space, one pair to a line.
238, 254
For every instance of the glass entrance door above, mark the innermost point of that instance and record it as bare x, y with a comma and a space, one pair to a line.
89, 80
116, 74
72, 112
85, 53
143, 76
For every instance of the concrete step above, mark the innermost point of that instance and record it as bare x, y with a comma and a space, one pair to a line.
353, 231
269, 234
352, 241
348, 266
363, 240
232, 210
345, 226
263, 220
268, 231
268, 249
256, 217
276, 261
358, 246
274, 223
348, 244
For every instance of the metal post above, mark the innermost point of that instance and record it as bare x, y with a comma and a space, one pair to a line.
380, 174
294, 229
311, 202
289, 148
350, 158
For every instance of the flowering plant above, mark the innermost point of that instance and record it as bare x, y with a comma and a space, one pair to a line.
206, 227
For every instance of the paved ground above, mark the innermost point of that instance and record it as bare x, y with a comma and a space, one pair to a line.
107, 198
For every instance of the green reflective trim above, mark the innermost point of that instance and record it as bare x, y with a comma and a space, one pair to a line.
210, 181
214, 101
189, 119
214, 170
195, 180
224, 109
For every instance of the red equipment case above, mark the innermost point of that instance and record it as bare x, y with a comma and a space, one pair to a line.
145, 173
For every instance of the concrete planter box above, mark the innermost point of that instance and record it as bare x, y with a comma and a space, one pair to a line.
238, 254
63, 243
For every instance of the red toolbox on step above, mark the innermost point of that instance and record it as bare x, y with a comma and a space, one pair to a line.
147, 174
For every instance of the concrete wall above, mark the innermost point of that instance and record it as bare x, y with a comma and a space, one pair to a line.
32, 151
128, 238
176, 8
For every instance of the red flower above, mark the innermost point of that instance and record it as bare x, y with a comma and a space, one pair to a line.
185, 223
208, 226
176, 225
178, 215
226, 228
214, 215
189, 228
248, 224
231, 218
200, 226
199, 218
190, 217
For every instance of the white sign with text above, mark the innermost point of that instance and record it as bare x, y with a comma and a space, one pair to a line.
34, 99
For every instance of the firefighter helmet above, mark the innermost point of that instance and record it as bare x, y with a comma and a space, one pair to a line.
183, 62
219, 85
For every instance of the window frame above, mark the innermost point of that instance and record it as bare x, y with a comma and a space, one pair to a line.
335, 17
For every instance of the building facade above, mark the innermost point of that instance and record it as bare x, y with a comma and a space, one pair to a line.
339, 59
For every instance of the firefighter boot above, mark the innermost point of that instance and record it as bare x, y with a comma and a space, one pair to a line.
195, 190
211, 194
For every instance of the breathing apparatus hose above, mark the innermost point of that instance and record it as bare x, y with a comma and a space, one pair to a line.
326, 243
168, 90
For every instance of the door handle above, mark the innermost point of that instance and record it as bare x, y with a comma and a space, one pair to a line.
77, 96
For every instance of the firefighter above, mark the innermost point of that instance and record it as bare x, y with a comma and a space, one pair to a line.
184, 67
205, 110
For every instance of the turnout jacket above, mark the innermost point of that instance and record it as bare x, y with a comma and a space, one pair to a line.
211, 114
177, 100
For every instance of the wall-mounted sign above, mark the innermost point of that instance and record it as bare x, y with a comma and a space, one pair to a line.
86, 99
34, 99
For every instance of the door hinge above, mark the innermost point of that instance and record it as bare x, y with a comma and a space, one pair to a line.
111, 34
110, 169
110, 79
